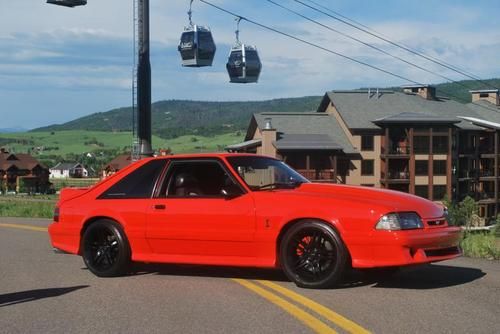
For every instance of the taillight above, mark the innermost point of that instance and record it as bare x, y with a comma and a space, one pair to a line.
56, 214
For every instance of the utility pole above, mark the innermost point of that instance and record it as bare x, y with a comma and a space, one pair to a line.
144, 83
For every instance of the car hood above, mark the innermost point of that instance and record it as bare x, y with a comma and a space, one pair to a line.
376, 198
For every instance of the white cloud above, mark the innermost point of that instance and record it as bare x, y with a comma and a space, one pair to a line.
90, 48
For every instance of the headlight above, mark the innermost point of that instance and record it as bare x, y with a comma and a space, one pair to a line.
399, 221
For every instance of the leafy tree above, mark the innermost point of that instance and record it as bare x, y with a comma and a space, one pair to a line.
460, 214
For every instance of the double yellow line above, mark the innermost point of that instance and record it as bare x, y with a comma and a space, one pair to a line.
25, 227
317, 325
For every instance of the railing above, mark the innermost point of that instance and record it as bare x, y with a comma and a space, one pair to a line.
396, 175
396, 150
318, 174
487, 196
468, 174
486, 173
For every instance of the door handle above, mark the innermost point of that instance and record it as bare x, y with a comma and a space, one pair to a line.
159, 206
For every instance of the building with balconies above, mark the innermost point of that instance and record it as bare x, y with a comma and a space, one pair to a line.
411, 141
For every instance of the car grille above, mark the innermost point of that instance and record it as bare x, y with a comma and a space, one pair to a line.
437, 222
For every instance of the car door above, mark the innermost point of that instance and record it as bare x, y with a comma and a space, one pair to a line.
201, 211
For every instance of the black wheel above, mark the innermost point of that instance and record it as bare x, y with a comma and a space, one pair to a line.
106, 251
312, 255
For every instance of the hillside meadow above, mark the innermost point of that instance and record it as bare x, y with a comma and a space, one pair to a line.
61, 143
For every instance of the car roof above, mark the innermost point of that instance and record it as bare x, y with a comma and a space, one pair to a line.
209, 155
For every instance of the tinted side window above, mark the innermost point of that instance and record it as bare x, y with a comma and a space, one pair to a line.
138, 184
197, 179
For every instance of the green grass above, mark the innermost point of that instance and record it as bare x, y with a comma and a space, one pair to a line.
22, 207
194, 144
80, 141
71, 182
481, 245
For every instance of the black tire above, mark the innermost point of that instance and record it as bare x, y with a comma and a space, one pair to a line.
313, 255
105, 249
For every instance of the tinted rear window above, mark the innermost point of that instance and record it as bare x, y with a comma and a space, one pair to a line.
138, 184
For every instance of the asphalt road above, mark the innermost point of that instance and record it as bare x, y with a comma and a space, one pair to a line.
43, 292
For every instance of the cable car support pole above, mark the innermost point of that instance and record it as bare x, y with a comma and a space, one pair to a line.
144, 83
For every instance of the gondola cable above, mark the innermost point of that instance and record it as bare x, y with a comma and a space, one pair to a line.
368, 44
328, 50
450, 67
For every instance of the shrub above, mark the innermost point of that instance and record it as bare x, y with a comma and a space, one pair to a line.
481, 245
460, 214
496, 230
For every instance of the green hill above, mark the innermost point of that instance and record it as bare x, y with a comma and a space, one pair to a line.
174, 118
460, 91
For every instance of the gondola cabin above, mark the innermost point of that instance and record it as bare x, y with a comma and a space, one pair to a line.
243, 65
68, 3
197, 47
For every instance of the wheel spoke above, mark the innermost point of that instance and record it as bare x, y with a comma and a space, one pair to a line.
326, 255
99, 258
301, 262
109, 258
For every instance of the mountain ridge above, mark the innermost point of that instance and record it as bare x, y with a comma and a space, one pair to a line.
174, 118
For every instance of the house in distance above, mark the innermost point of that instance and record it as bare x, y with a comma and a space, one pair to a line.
22, 173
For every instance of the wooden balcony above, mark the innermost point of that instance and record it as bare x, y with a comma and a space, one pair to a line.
395, 177
400, 151
319, 175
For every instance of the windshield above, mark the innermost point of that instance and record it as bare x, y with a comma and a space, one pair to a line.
264, 173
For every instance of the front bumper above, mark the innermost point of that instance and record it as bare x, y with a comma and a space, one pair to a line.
401, 248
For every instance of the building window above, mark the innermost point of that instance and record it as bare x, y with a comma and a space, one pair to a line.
367, 143
439, 167
484, 95
422, 191
421, 167
440, 145
421, 144
438, 192
367, 168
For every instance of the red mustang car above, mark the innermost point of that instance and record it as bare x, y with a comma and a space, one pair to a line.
246, 210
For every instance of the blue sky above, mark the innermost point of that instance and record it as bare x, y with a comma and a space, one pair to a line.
57, 64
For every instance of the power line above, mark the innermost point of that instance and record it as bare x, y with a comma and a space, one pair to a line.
366, 44
330, 51
311, 43
379, 33
395, 44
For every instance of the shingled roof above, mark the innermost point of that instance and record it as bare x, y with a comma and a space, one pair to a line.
359, 110
20, 161
118, 163
307, 123
306, 142
415, 118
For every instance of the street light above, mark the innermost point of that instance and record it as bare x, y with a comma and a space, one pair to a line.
143, 74
68, 3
